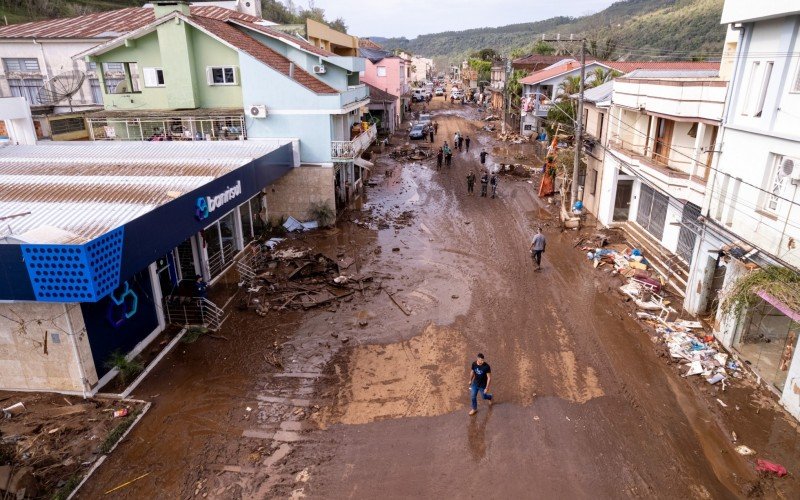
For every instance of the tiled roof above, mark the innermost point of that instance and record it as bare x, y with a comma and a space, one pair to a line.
628, 66
286, 37
237, 38
108, 24
378, 95
89, 188
546, 74
366, 43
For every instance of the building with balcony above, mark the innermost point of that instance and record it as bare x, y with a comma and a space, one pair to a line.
390, 73
542, 88
662, 134
596, 106
32, 53
102, 242
188, 77
752, 207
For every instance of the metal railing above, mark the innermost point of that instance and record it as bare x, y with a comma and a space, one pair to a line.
193, 311
219, 261
349, 150
178, 128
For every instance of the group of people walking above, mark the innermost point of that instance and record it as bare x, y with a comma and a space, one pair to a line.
486, 181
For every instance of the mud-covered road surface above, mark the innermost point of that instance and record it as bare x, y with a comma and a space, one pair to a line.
372, 399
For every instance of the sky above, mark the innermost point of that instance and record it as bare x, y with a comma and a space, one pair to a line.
409, 18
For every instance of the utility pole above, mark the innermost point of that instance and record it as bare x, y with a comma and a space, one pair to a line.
506, 94
579, 129
579, 115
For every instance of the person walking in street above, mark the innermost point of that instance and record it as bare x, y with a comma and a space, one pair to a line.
538, 245
484, 184
448, 155
430, 131
435, 127
456, 136
493, 183
439, 158
460, 142
480, 379
483, 156
466, 142
471, 183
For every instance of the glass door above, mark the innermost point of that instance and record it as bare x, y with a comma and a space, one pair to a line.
622, 200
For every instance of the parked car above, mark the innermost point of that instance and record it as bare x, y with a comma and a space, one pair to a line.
439, 91
456, 94
417, 131
425, 119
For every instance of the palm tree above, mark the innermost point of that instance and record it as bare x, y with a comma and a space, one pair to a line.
568, 87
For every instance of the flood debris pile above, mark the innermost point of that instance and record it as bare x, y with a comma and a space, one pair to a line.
411, 152
511, 137
48, 441
292, 278
372, 219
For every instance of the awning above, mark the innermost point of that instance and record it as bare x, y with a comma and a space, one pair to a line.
777, 304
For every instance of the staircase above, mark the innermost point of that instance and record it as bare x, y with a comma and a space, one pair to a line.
669, 265
193, 311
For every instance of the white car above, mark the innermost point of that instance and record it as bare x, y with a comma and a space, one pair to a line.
456, 94
439, 91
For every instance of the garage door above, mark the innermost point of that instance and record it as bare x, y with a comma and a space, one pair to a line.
652, 211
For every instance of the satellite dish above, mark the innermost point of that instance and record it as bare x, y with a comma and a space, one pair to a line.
61, 87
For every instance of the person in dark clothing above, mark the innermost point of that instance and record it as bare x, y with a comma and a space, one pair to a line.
484, 184
430, 132
439, 157
480, 379
493, 183
448, 156
435, 127
460, 142
483, 156
200, 287
471, 183
466, 142
538, 245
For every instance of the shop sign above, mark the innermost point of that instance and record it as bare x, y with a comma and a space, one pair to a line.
207, 204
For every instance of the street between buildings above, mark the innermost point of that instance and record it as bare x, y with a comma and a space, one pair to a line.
369, 397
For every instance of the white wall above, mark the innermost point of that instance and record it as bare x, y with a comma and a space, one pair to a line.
16, 114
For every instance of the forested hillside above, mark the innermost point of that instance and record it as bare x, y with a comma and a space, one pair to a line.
639, 29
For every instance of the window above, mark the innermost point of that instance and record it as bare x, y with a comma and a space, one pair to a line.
20, 65
778, 179
97, 94
601, 117
762, 96
381, 70
593, 181
67, 125
121, 78
91, 67
153, 77
221, 75
750, 83
27, 88
692, 130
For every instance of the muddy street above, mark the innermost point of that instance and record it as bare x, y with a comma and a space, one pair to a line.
370, 396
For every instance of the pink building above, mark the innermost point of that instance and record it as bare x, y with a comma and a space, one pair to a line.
389, 73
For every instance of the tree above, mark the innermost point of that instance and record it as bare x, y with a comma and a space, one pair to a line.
338, 24
485, 54
515, 88
563, 113
600, 76
543, 48
569, 86
277, 12
602, 50
518, 53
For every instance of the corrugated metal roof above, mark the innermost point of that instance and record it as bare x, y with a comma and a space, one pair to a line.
674, 73
600, 93
110, 24
89, 188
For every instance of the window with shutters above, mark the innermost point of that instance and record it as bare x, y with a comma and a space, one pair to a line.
27, 88
21, 65
121, 78
778, 179
652, 212
153, 77
221, 75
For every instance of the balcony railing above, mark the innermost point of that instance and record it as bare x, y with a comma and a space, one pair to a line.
350, 150
179, 128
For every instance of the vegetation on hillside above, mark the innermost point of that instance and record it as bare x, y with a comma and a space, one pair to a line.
283, 12
628, 29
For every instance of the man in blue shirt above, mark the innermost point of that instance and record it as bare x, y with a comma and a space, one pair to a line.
479, 380
538, 245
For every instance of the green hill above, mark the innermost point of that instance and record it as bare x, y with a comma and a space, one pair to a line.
20, 11
642, 29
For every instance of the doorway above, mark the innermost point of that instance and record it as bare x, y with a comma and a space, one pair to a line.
622, 200
663, 140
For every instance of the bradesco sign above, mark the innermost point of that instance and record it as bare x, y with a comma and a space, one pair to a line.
206, 205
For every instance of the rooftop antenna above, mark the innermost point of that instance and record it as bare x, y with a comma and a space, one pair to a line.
62, 86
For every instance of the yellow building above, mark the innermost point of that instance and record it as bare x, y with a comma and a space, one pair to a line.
331, 40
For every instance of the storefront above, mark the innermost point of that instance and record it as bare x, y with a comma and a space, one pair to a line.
100, 242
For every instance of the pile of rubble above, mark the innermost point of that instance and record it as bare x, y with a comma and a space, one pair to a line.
512, 138
411, 152
293, 278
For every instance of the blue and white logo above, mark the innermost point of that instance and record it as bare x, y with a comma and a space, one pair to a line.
207, 204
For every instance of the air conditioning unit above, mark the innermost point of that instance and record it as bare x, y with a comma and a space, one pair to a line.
790, 167
257, 111
319, 69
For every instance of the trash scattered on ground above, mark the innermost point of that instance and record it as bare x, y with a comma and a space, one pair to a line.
770, 467
411, 152
14, 409
120, 413
291, 225
744, 450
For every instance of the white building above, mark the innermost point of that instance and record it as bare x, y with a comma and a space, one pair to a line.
421, 69
32, 53
662, 130
752, 208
